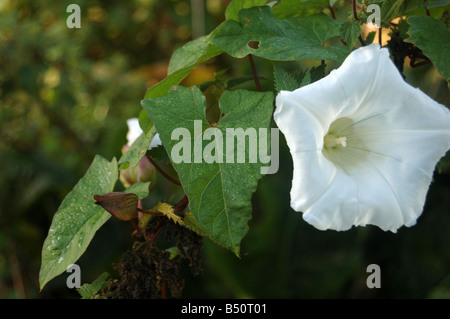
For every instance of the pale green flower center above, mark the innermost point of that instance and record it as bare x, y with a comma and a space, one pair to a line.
331, 141
342, 146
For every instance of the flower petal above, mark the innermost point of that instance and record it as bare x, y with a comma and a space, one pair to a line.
394, 134
134, 131
313, 175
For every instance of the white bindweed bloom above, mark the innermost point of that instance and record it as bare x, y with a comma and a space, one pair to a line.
364, 144
134, 131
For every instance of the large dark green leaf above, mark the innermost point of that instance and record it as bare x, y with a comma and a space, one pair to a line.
219, 193
260, 33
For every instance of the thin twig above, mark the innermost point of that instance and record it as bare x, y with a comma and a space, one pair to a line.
255, 75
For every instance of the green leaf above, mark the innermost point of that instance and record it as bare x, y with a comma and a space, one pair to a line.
317, 72
162, 87
435, 4
138, 149
237, 5
88, 291
140, 189
306, 79
291, 82
390, 9
323, 26
370, 37
433, 38
145, 122
350, 32
260, 33
185, 59
192, 224
284, 80
159, 153
289, 8
168, 211
219, 193
77, 219
192, 53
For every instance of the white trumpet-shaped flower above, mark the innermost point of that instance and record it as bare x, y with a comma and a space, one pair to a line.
364, 144
134, 131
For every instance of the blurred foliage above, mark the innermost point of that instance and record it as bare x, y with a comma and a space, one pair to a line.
65, 95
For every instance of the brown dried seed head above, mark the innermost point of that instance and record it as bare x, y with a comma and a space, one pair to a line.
122, 206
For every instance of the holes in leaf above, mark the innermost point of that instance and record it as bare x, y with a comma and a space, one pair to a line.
253, 44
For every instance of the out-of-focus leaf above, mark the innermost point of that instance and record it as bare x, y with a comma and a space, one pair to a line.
289, 8
435, 4
433, 38
237, 5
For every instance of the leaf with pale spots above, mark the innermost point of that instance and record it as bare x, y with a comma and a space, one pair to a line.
77, 220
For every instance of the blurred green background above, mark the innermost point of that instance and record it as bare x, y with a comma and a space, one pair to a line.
65, 95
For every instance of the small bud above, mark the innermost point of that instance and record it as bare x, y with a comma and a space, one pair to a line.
143, 172
122, 206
